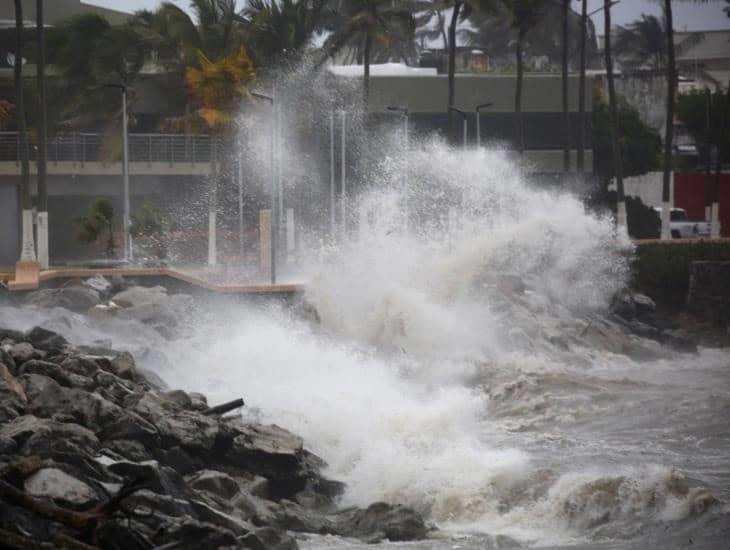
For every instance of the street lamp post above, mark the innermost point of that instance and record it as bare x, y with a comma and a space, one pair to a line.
464, 123
125, 171
478, 113
404, 112
332, 174
274, 217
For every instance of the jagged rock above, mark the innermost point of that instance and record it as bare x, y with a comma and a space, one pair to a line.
123, 366
186, 429
178, 459
180, 398
198, 401
58, 485
48, 398
10, 388
22, 352
140, 295
291, 516
215, 482
46, 340
159, 479
35, 435
46, 368
98, 283
80, 364
74, 298
127, 449
124, 535
380, 521
190, 534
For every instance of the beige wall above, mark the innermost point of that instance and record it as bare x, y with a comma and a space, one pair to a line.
428, 94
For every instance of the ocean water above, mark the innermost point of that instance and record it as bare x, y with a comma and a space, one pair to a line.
458, 362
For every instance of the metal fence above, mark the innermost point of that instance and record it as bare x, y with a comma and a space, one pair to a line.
85, 147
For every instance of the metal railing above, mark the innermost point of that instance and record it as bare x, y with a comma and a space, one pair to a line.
86, 147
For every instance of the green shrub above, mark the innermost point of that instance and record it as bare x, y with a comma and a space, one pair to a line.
661, 270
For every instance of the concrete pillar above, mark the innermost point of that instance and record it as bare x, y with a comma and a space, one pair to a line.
42, 229
265, 244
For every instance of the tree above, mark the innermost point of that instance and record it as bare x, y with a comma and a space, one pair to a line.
41, 125
363, 22
566, 113
89, 54
27, 253
640, 145
278, 31
621, 221
100, 219
523, 16
580, 156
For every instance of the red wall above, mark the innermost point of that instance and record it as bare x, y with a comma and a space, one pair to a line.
693, 191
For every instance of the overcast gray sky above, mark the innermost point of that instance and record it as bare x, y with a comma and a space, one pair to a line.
687, 15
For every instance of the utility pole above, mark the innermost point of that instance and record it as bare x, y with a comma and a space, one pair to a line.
343, 174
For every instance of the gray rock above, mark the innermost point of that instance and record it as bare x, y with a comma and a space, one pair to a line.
188, 534
98, 283
46, 340
215, 482
73, 298
23, 351
42, 435
123, 366
140, 295
380, 521
58, 485
187, 429
46, 368
180, 398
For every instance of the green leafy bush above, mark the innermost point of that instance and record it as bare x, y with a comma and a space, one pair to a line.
661, 270
99, 220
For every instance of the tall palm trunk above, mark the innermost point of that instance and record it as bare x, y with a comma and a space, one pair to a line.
621, 221
724, 128
669, 129
518, 93
452, 64
580, 160
41, 123
366, 70
27, 252
566, 113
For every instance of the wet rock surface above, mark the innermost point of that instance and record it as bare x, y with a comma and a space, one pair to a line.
92, 454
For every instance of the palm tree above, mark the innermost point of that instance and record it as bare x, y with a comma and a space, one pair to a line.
613, 106
27, 252
580, 157
361, 22
566, 114
41, 124
523, 16
279, 30
669, 124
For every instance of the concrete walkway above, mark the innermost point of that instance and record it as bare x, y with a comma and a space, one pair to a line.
211, 279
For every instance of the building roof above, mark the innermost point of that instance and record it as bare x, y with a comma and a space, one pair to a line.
714, 45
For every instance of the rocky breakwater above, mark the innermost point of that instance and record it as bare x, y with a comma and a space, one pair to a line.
92, 454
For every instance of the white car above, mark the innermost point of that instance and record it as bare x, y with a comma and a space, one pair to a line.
683, 228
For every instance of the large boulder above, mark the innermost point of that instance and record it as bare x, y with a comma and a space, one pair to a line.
35, 435
74, 298
212, 481
56, 484
46, 340
381, 521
